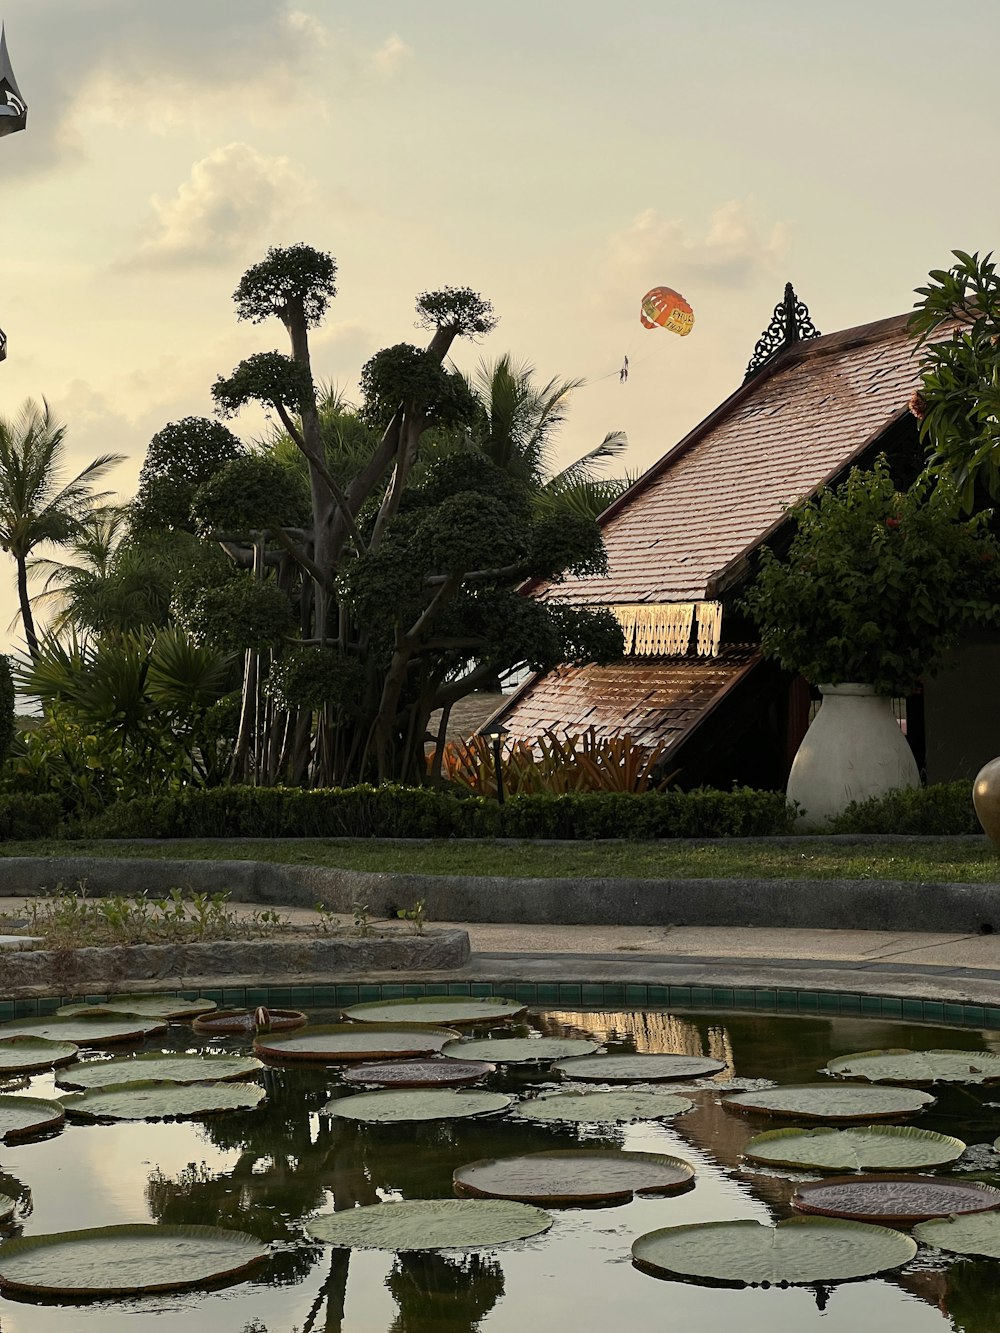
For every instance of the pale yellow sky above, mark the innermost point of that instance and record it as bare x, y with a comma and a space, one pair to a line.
561, 156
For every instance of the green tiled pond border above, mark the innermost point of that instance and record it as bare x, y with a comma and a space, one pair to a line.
607, 994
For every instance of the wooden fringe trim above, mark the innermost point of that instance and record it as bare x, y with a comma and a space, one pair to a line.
665, 630
709, 628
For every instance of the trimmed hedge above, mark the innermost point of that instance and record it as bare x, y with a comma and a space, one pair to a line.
419, 812
23, 818
942, 809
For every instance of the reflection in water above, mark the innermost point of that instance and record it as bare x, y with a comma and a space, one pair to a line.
267, 1171
437, 1294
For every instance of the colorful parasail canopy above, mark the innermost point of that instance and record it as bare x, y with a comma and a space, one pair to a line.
667, 309
13, 108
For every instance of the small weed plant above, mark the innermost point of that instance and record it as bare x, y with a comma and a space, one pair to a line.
416, 915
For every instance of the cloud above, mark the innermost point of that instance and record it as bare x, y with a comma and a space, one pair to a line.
231, 202
115, 61
733, 250
390, 56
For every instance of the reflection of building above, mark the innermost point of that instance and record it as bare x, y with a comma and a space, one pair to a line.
651, 1031
681, 545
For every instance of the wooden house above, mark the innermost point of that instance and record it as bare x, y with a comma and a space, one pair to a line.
680, 546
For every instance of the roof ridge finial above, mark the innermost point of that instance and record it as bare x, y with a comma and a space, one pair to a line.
790, 323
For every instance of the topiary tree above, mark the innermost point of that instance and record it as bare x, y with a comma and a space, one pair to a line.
403, 573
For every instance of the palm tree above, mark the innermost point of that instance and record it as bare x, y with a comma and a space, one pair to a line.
516, 429
36, 505
109, 584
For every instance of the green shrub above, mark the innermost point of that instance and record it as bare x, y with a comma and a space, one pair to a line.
942, 809
419, 812
23, 818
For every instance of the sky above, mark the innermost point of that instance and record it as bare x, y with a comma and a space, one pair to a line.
560, 156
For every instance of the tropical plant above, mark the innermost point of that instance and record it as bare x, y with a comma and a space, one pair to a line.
958, 404
556, 764
124, 717
515, 426
110, 584
36, 505
877, 584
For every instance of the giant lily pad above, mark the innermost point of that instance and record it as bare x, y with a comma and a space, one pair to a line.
261, 1019
175, 1066
340, 1042
576, 1176
963, 1235
25, 1055
125, 1260
430, 1224
420, 1073
146, 1006
86, 1031
417, 1104
826, 1101
619, 1108
902, 1066
638, 1068
20, 1117
751, 1254
161, 1100
519, 1050
868, 1148
448, 1010
894, 1200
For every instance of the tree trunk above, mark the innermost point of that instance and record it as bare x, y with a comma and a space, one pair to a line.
27, 620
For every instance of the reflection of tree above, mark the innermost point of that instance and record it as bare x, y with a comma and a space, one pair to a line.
437, 1294
972, 1297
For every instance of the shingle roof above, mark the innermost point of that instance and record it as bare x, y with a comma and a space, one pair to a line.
649, 699
720, 491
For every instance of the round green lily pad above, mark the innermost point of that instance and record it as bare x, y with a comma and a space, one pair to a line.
146, 1006
417, 1104
419, 1073
519, 1050
340, 1042
125, 1260
619, 1108
751, 1254
448, 1010
175, 1066
25, 1055
638, 1068
583, 1175
21, 1117
894, 1200
903, 1066
430, 1224
830, 1101
86, 1031
161, 1100
979, 1235
868, 1148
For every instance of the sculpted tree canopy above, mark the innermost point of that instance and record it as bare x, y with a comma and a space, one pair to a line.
376, 553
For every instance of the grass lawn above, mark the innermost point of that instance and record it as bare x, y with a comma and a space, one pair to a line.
970, 860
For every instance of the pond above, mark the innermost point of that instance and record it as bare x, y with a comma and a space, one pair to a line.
268, 1170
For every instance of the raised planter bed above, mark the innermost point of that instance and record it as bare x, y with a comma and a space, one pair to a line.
63, 971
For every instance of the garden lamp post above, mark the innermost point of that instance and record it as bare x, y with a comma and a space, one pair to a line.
496, 733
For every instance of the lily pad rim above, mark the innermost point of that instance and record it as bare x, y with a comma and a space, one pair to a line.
64, 1079
507, 1009
71, 1103
968, 1187
731, 1101
541, 1216
908, 1132
685, 1169
38, 1127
